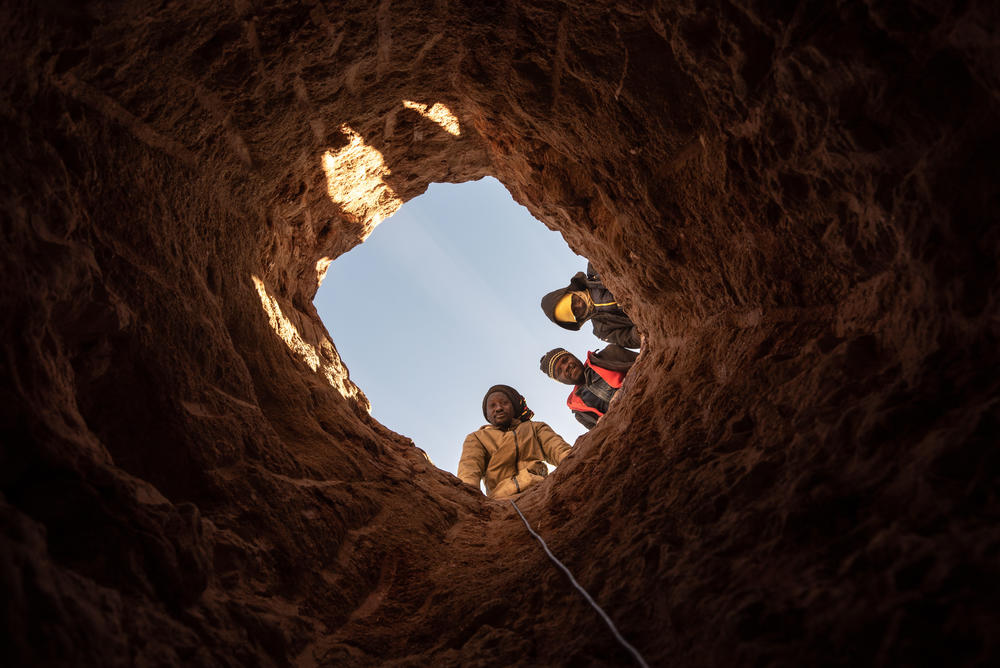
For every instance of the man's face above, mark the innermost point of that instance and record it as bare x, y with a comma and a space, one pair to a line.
569, 370
499, 410
579, 306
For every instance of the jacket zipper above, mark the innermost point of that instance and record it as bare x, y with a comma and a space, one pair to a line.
517, 461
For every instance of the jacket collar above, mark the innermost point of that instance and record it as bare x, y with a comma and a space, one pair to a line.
513, 425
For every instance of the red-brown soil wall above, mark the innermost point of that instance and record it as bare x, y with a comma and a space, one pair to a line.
797, 202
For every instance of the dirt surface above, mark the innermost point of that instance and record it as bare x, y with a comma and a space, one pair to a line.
797, 204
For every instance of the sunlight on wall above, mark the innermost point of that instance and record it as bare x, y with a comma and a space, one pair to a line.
439, 113
355, 180
325, 361
322, 265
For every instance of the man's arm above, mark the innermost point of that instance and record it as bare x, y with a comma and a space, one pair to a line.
616, 358
586, 418
472, 464
598, 291
554, 448
617, 329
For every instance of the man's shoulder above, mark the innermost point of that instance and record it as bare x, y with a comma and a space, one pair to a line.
615, 353
534, 424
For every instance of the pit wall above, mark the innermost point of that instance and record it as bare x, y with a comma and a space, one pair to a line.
796, 208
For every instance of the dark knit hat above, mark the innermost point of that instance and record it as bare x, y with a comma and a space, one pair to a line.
521, 410
548, 362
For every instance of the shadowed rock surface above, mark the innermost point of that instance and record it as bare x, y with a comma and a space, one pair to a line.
796, 202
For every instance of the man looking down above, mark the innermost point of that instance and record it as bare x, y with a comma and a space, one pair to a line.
510, 452
586, 298
595, 381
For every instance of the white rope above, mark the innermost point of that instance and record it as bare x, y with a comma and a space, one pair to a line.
604, 616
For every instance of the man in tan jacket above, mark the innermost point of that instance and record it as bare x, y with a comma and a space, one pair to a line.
510, 452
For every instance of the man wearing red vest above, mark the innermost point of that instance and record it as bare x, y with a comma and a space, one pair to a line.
594, 382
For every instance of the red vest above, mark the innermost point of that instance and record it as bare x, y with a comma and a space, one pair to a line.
612, 378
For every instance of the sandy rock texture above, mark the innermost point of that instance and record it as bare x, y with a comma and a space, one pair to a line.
796, 201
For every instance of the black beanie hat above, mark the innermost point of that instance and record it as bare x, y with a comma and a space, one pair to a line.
549, 358
521, 410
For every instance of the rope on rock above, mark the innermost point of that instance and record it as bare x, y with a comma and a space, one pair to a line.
604, 615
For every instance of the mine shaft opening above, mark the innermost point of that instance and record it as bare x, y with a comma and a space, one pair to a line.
441, 302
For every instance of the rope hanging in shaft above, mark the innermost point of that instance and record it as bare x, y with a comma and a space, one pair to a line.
604, 616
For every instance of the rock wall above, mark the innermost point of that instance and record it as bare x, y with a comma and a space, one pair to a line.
796, 202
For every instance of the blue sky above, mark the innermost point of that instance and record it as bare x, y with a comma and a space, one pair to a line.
441, 302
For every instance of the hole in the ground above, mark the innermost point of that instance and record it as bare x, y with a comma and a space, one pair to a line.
442, 302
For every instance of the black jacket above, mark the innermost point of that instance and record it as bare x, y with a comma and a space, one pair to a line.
610, 322
594, 391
